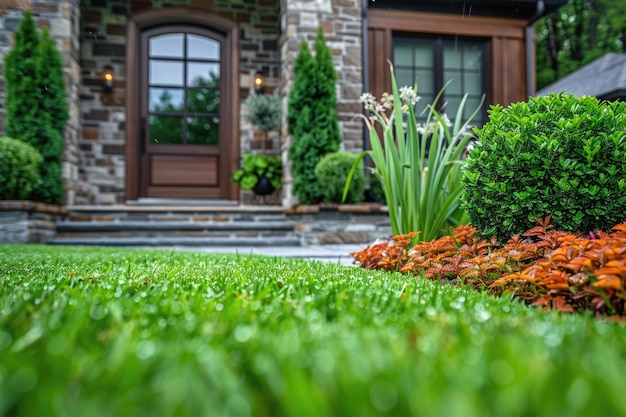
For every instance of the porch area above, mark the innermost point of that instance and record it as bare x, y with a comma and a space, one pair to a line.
193, 225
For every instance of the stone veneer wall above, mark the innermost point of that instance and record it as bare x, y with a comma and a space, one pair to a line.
91, 34
103, 115
62, 19
342, 22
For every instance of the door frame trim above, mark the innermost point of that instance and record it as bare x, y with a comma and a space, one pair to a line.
189, 16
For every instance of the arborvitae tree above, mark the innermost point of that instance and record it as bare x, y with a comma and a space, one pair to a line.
326, 103
37, 110
21, 74
51, 80
303, 91
312, 117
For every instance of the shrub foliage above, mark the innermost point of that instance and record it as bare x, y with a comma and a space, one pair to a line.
263, 111
419, 166
312, 117
543, 267
36, 108
19, 169
332, 173
556, 155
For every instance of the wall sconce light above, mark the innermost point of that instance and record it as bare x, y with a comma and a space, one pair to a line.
258, 84
107, 77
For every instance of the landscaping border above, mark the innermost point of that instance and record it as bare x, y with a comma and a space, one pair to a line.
25, 221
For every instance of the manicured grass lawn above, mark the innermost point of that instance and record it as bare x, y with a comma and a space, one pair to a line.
100, 332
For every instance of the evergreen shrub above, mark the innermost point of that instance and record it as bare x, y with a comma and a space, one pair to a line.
263, 111
332, 173
312, 117
36, 107
555, 155
19, 169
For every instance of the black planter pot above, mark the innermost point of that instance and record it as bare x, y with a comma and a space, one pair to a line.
263, 186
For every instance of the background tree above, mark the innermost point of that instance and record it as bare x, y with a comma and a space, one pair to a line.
36, 108
312, 117
576, 34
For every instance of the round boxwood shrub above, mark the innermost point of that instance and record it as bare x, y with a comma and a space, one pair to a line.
556, 155
19, 169
332, 172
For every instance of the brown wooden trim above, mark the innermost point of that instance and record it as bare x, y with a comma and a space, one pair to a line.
448, 24
132, 97
187, 16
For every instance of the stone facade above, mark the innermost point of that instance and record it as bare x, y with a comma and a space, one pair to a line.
92, 34
28, 222
343, 27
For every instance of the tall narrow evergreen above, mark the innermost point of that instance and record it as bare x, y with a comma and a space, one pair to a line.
21, 74
37, 109
312, 117
303, 91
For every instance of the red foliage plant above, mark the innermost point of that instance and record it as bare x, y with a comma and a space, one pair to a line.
543, 267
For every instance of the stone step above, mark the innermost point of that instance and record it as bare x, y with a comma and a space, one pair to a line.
65, 227
192, 226
162, 241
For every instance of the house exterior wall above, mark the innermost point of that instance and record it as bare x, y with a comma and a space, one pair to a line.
104, 41
92, 34
342, 23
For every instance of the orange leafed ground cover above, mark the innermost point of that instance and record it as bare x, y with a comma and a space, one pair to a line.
543, 267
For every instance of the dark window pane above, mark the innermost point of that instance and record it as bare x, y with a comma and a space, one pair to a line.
166, 130
166, 99
425, 81
201, 74
404, 77
403, 54
452, 56
202, 130
165, 73
456, 85
170, 45
473, 83
203, 100
201, 47
423, 54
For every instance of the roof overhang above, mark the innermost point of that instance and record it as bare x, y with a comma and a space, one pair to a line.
516, 9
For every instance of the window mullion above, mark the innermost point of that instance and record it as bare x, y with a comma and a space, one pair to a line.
438, 69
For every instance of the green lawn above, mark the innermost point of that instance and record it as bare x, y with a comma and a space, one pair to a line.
100, 332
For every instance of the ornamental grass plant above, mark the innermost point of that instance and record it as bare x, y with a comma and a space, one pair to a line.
419, 166
116, 332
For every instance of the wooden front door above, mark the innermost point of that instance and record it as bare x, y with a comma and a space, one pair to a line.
182, 104
182, 150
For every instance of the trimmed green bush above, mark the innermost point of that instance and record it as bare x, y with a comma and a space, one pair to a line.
332, 173
312, 117
36, 108
556, 155
19, 169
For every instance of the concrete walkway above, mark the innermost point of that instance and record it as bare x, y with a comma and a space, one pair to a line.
339, 254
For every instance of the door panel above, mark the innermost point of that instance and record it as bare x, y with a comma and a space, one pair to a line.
181, 151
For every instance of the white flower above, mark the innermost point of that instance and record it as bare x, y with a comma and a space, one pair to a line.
387, 101
368, 101
408, 96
